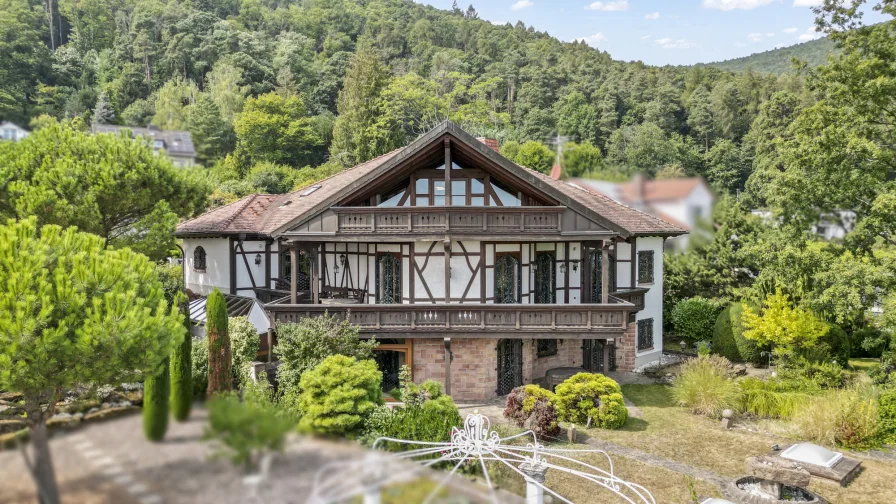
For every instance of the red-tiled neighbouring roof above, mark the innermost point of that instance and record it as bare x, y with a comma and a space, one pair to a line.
662, 190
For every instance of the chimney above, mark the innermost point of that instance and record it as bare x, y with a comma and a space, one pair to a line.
491, 143
556, 171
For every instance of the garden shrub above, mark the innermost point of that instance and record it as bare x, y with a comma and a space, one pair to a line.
847, 418
704, 348
244, 344
704, 387
532, 407
771, 398
156, 392
728, 337
338, 394
181, 371
806, 374
695, 318
303, 345
593, 396
887, 412
884, 373
218, 335
199, 366
832, 347
246, 428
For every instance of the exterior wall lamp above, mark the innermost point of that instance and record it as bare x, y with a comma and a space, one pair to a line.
257, 259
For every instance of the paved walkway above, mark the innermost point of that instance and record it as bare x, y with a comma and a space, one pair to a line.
111, 462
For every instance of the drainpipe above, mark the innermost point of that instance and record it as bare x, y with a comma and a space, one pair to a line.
449, 356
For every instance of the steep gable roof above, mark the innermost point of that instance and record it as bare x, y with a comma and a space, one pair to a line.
271, 215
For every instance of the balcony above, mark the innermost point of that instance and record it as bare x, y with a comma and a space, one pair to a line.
577, 321
459, 220
634, 296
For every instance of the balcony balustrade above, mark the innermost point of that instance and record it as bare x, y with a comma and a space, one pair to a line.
432, 220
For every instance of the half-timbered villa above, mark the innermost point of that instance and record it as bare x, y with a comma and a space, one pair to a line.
468, 268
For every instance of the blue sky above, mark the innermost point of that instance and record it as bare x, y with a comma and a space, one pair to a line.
657, 32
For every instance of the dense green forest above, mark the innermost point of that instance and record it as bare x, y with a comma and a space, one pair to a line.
778, 61
267, 87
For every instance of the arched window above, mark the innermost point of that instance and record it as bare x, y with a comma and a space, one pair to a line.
199, 259
388, 278
507, 279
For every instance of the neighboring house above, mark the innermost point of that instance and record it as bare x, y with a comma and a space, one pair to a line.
14, 132
682, 201
483, 276
177, 145
830, 227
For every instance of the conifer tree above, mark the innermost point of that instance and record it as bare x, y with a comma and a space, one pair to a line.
156, 391
73, 311
358, 106
182, 372
102, 113
219, 376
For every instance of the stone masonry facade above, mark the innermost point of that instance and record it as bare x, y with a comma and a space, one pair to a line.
474, 374
625, 349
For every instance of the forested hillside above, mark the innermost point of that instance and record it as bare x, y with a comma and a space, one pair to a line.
272, 85
778, 61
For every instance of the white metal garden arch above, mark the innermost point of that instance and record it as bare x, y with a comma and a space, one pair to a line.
476, 442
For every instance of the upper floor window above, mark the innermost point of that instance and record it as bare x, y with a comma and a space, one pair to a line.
645, 266
466, 190
303, 278
507, 279
199, 259
388, 278
597, 275
545, 278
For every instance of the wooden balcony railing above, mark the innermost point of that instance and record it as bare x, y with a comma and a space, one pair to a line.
634, 296
428, 220
495, 320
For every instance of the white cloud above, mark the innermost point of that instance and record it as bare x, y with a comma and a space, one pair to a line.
807, 3
593, 39
727, 5
805, 37
645, 37
669, 43
778, 46
611, 6
522, 4
793, 29
770, 34
652, 15
754, 37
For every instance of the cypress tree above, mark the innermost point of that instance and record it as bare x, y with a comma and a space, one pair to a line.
156, 390
219, 378
182, 372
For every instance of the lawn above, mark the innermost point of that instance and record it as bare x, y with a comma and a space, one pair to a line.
671, 432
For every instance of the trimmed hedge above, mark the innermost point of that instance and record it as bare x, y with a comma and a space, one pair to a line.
695, 318
338, 395
728, 337
156, 391
182, 374
532, 407
219, 360
833, 346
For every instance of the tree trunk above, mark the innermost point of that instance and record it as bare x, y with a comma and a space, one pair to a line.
50, 22
42, 470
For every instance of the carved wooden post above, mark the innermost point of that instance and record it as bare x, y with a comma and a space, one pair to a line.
315, 277
447, 173
605, 273
293, 275
449, 356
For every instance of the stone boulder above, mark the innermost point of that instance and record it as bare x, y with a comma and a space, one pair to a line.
778, 470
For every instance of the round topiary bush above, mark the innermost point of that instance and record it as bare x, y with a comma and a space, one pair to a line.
338, 394
532, 407
594, 396
728, 337
833, 346
694, 318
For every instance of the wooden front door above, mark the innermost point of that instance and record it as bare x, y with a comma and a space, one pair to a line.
593, 356
510, 365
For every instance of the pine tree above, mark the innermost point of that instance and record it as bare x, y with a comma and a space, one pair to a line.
219, 376
103, 113
182, 373
156, 390
358, 108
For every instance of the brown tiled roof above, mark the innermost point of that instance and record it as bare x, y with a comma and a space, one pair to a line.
266, 214
661, 190
628, 218
263, 214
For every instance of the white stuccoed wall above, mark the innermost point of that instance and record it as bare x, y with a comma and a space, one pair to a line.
653, 299
217, 272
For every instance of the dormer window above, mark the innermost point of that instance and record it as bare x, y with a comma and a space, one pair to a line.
199, 259
158, 144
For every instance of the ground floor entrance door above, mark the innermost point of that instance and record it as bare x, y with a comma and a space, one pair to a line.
510, 365
598, 356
